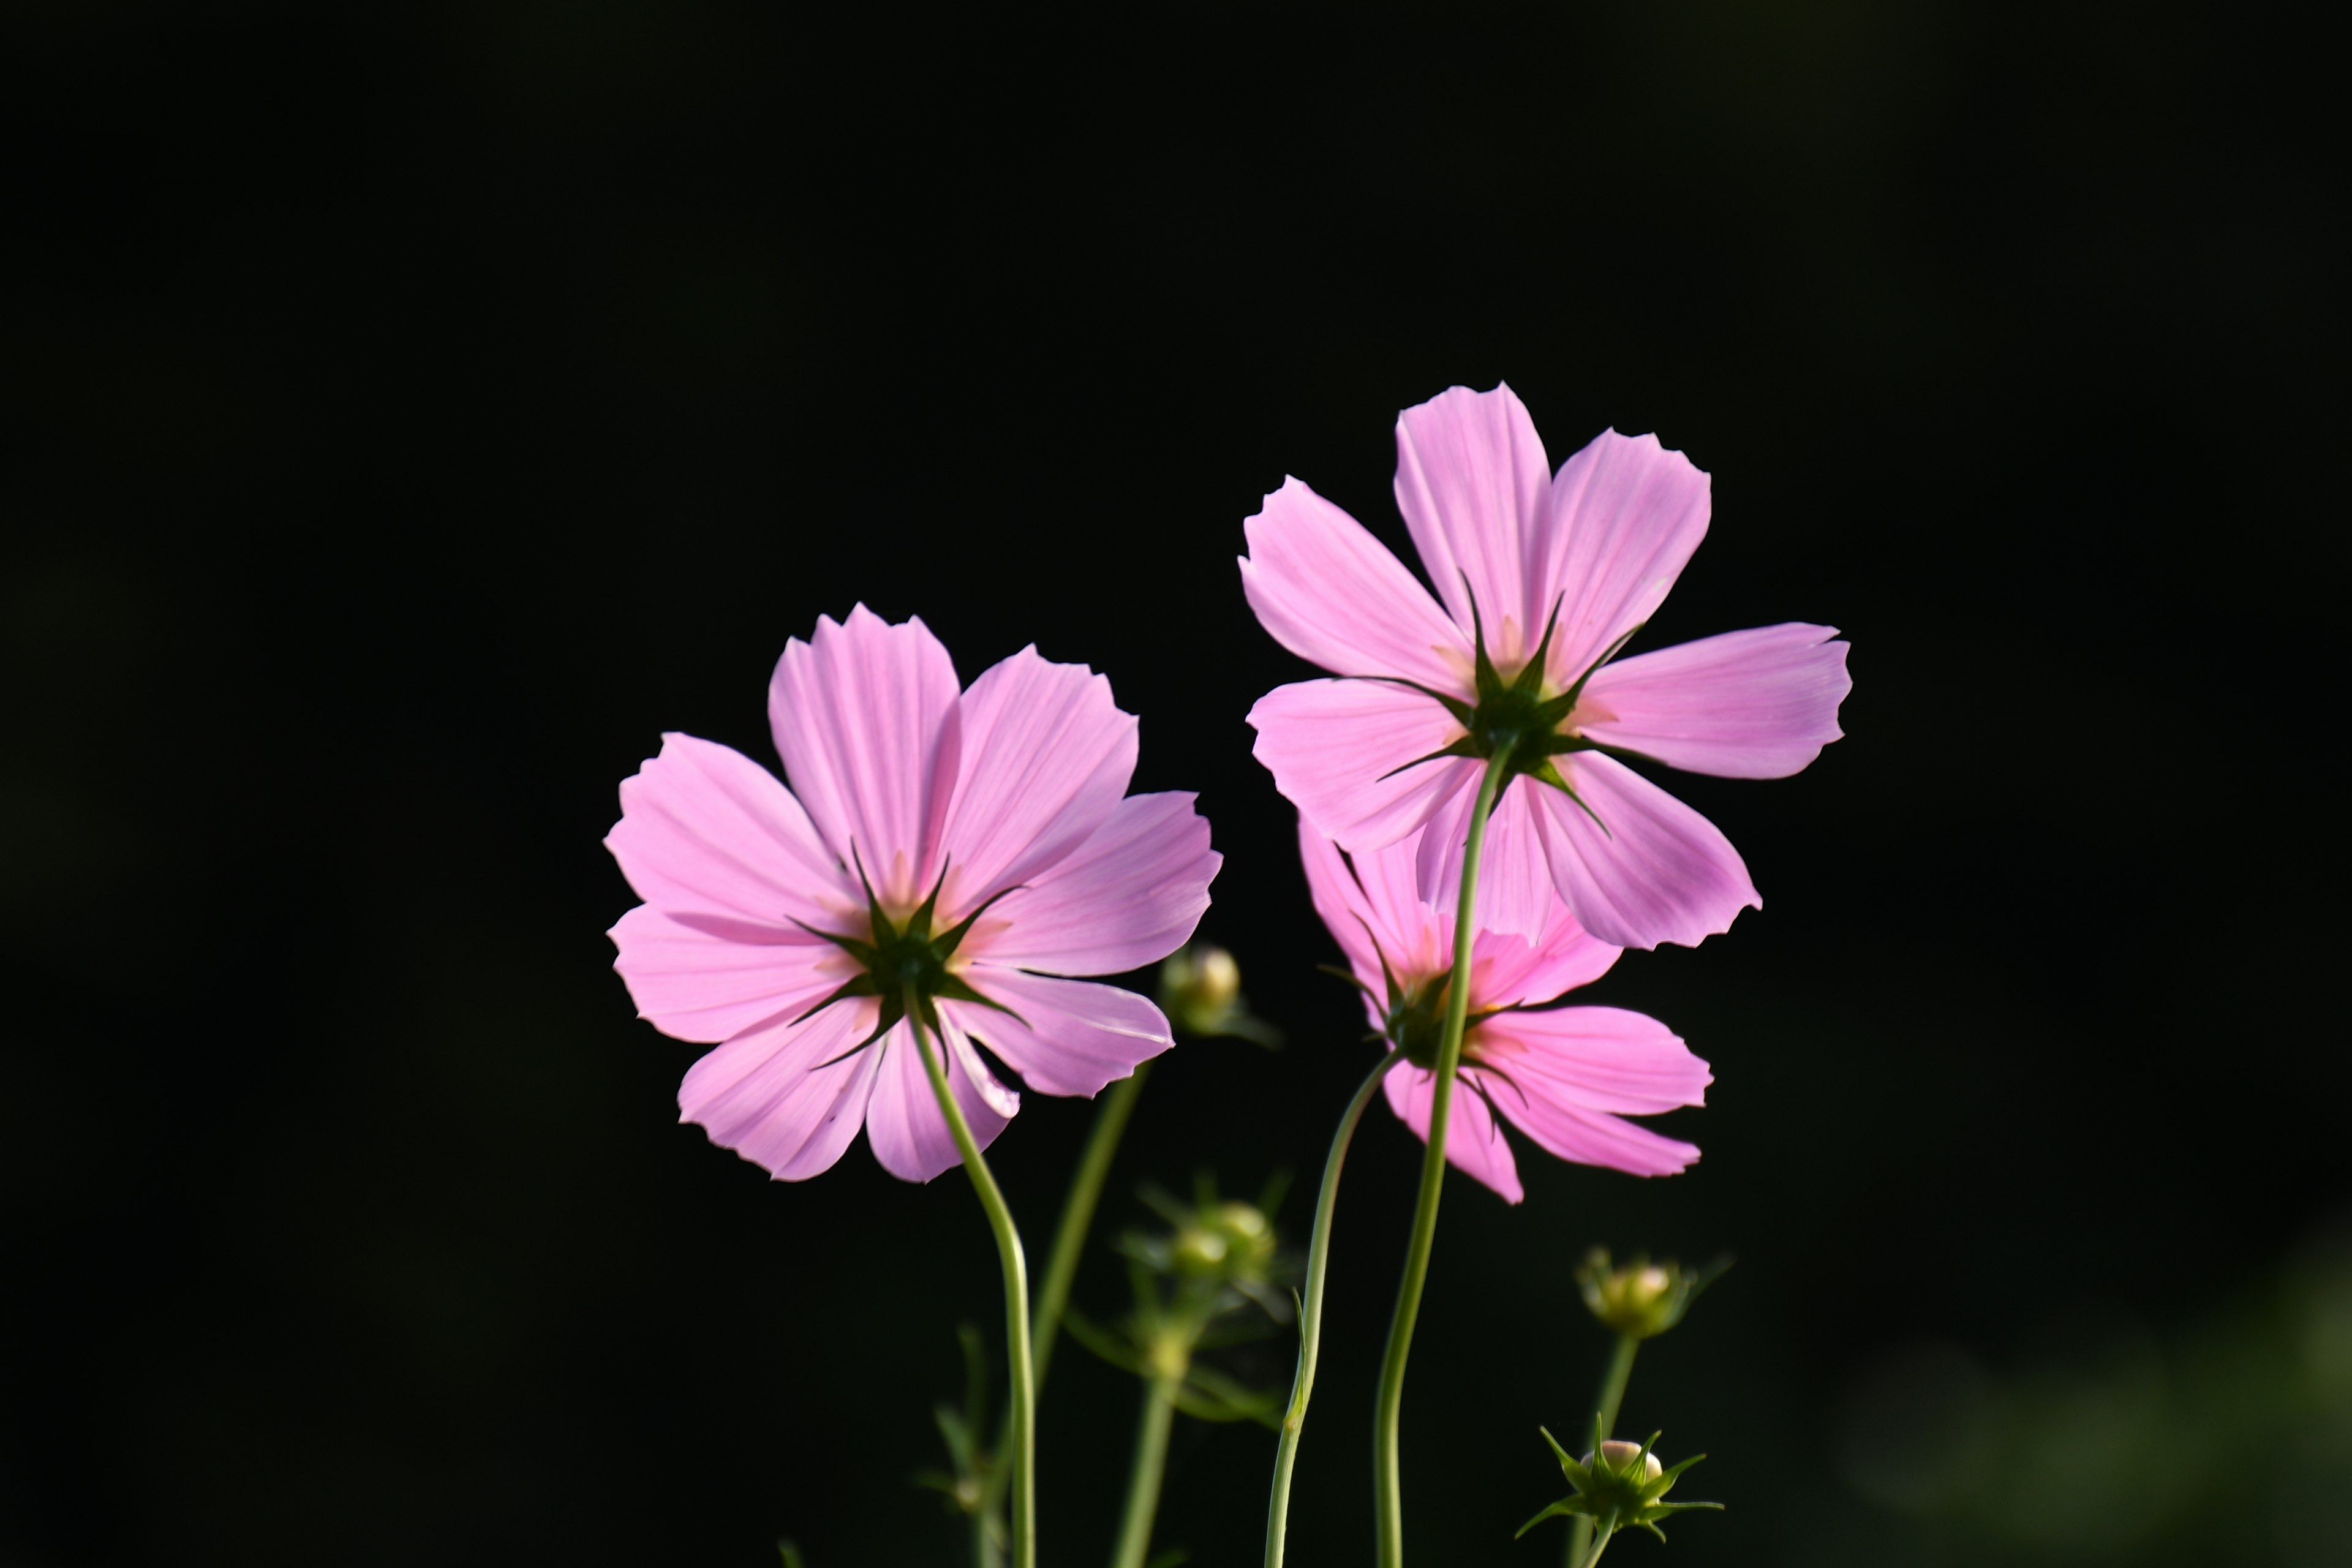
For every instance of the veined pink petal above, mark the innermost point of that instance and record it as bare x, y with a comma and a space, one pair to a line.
1334, 748
1126, 897
1507, 970
778, 1095
1623, 517
864, 715
903, 1123
1063, 1037
1747, 705
1544, 1108
1515, 885
1332, 593
706, 977
1659, 873
1341, 904
1471, 478
1474, 1144
705, 829
1045, 756
1596, 1059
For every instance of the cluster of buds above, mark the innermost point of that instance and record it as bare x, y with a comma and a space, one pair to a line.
1201, 992
1642, 1300
1618, 1486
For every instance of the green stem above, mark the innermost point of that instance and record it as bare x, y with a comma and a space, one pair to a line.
1388, 1499
1143, 1481
1613, 1395
1016, 1297
1061, 1269
1601, 1545
1310, 1316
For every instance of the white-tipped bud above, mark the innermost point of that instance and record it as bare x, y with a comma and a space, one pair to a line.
1620, 1454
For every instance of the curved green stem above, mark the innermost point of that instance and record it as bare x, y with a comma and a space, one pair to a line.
1613, 1395
1023, 1453
1143, 1481
1388, 1499
1311, 1314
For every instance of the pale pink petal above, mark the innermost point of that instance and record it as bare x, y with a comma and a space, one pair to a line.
1337, 898
779, 1096
1660, 872
1331, 593
1046, 755
1546, 1086
903, 1123
1126, 897
705, 829
1623, 518
1471, 478
1063, 1037
1515, 884
1745, 705
864, 718
1474, 1144
1336, 749
706, 977
1507, 971
1599, 1058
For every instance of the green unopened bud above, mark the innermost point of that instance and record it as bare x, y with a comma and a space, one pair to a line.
1618, 1486
1201, 992
1230, 1241
1642, 1298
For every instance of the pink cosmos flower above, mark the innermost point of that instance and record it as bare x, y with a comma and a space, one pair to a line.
1566, 1077
1541, 578
969, 847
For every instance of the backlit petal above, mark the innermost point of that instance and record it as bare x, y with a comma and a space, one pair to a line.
864, 718
1336, 749
1126, 897
1045, 756
1471, 478
1063, 1037
1515, 885
1331, 593
1660, 872
1749, 705
903, 1123
704, 829
1599, 1058
778, 1096
706, 977
1623, 518
1474, 1144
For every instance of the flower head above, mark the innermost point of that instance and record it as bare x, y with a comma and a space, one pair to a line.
1618, 1486
1641, 1298
955, 851
1566, 1077
1541, 579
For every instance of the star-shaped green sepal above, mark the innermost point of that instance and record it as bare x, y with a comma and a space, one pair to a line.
1618, 1486
898, 959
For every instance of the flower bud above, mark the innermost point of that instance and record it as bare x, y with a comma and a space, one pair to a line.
1201, 992
1618, 1486
1642, 1298
1230, 1240
1621, 1455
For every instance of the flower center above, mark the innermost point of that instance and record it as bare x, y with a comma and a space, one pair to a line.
1415, 1021
902, 960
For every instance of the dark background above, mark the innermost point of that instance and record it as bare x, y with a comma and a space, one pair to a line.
422, 407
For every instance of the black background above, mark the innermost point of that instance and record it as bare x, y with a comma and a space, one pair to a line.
422, 407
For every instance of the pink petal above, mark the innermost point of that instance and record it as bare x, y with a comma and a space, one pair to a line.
1623, 518
1334, 748
1515, 884
1332, 888
1063, 1037
1550, 1080
1046, 755
1661, 872
705, 978
770, 1094
705, 829
1745, 705
1598, 1059
903, 1123
864, 719
1507, 970
1474, 1144
1471, 479
1331, 593
1126, 897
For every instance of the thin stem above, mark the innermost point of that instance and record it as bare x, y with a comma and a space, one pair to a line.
1016, 1297
1143, 1481
1387, 1484
1613, 1395
1601, 1545
1061, 1269
1310, 1315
